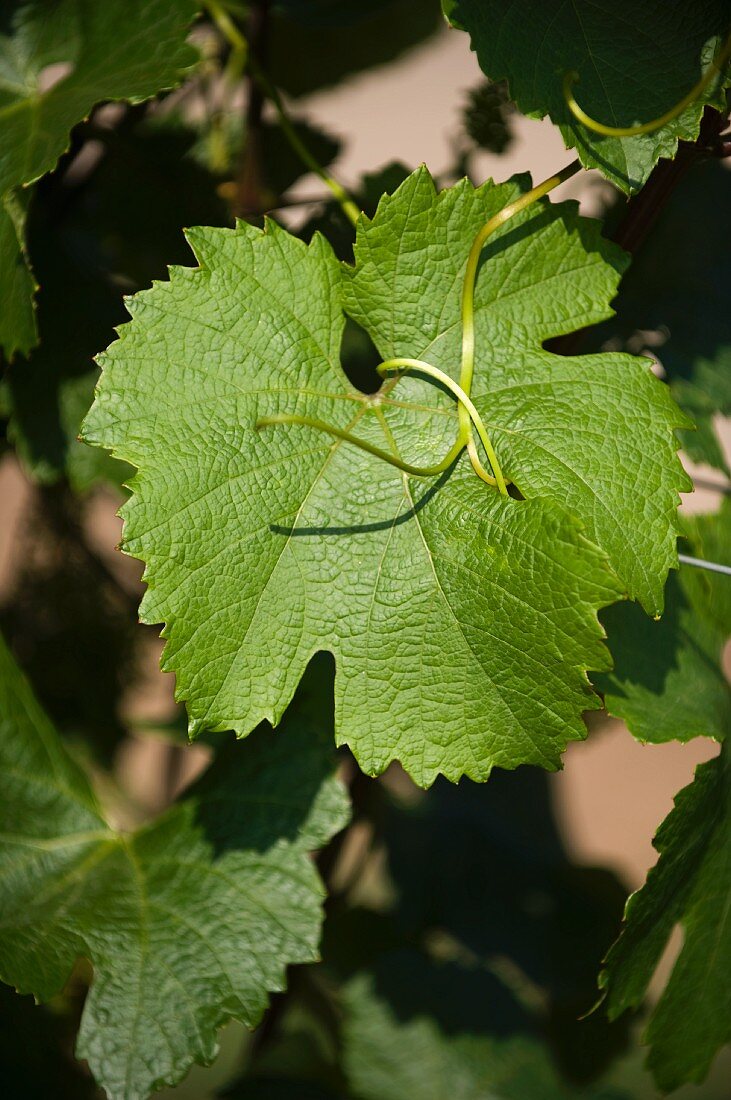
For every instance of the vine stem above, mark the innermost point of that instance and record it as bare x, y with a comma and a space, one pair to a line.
347, 205
227, 26
396, 366
238, 44
696, 91
470, 279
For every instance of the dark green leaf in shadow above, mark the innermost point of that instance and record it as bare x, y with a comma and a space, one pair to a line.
634, 62
188, 921
92, 240
689, 886
58, 59
314, 46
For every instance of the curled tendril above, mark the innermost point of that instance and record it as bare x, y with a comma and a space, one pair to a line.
363, 444
468, 416
695, 93
398, 366
468, 300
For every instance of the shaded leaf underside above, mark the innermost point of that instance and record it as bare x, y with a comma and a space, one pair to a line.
635, 61
690, 885
668, 681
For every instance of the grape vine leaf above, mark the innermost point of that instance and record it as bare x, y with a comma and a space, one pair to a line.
634, 62
594, 432
387, 1057
56, 61
689, 885
188, 921
462, 622
262, 548
667, 682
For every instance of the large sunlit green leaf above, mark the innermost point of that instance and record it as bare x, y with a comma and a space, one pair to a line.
594, 433
462, 622
188, 921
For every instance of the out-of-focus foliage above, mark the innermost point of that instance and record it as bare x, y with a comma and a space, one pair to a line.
57, 59
472, 968
691, 886
95, 235
317, 43
668, 682
72, 626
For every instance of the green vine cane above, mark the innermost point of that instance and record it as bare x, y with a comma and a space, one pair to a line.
714, 69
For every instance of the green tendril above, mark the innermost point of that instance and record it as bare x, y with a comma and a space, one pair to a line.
695, 93
468, 294
468, 416
364, 445
244, 57
397, 366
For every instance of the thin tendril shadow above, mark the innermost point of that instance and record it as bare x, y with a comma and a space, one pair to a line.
365, 528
